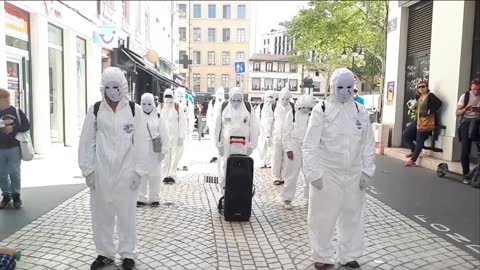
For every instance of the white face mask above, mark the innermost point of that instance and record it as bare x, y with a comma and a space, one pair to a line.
344, 89
168, 101
147, 107
113, 92
285, 101
180, 98
306, 110
269, 100
236, 101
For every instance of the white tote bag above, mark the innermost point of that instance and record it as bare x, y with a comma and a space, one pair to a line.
26, 146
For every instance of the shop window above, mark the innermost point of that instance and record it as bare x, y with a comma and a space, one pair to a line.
81, 81
56, 78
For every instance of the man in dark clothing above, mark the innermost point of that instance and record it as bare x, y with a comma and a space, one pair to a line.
10, 155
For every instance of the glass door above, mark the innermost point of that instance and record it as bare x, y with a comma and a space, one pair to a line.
17, 78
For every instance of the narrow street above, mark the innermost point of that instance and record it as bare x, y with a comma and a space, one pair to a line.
406, 210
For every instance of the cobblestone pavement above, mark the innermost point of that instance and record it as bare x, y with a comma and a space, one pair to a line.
186, 232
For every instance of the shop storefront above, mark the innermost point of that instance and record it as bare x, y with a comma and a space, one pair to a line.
82, 104
17, 25
56, 79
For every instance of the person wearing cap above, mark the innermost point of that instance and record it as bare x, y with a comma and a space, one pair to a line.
358, 98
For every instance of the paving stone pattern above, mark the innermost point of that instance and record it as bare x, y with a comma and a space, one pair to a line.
186, 232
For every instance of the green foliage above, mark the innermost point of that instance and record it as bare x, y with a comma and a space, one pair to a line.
330, 26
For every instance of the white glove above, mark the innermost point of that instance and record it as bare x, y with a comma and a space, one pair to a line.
249, 151
180, 142
364, 181
136, 180
221, 151
318, 184
90, 181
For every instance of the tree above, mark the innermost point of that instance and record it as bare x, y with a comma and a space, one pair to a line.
331, 27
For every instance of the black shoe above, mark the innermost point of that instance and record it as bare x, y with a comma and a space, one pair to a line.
166, 180
213, 160
155, 204
101, 262
128, 264
17, 202
172, 181
141, 204
6, 200
322, 266
185, 168
353, 265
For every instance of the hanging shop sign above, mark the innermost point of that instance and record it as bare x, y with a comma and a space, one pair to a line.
16, 22
106, 36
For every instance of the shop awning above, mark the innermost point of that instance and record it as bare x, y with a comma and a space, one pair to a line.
127, 59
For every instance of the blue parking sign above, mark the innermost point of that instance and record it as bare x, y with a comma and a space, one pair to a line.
240, 67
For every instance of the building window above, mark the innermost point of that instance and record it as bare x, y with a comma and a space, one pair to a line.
256, 66
226, 34
211, 83
147, 27
182, 10
238, 78
256, 82
211, 58
240, 55
196, 58
225, 58
126, 11
269, 66
227, 12
241, 11
182, 31
56, 79
212, 32
180, 56
196, 82
197, 11
138, 27
241, 35
197, 34
281, 83
293, 85
268, 84
212, 11
293, 68
281, 67
225, 81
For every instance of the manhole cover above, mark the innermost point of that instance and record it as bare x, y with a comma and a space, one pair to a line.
211, 179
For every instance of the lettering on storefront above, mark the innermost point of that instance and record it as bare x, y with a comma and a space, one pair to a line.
16, 22
452, 235
51, 10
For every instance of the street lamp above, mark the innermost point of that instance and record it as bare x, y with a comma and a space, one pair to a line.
356, 52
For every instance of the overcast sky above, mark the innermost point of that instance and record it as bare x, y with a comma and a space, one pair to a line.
270, 13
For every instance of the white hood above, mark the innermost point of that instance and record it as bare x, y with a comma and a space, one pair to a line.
114, 74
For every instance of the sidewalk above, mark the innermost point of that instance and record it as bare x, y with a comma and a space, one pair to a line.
186, 232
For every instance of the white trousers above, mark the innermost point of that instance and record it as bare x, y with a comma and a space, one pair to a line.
292, 173
278, 162
341, 205
108, 214
265, 152
170, 161
150, 189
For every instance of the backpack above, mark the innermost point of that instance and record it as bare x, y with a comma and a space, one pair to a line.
466, 98
323, 108
96, 107
247, 104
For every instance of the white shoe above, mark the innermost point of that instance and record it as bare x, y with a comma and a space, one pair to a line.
287, 205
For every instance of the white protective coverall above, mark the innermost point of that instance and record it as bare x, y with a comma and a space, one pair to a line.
237, 121
265, 119
187, 109
338, 156
292, 138
279, 157
112, 157
154, 127
175, 122
212, 113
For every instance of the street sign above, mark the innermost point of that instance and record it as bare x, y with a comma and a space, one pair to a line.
240, 67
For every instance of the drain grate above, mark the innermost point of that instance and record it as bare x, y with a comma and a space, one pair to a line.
210, 179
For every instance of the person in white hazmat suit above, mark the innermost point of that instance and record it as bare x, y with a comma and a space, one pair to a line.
175, 122
155, 128
294, 130
214, 107
112, 158
265, 119
338, 159
238, 120
187, 109
279, 157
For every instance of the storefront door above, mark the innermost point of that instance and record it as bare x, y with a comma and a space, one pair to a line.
17, 79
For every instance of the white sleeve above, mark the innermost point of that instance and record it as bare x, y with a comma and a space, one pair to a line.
140, 141
210, 120
87, 144
368, 155
217, 131
182, 124
287, 129
311, 144
163, 134
254, 130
